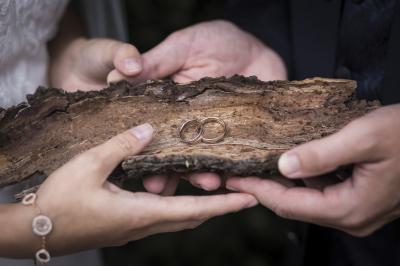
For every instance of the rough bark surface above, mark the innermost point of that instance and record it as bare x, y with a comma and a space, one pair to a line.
264, 119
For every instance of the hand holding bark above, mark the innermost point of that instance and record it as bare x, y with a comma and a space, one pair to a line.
213, 49
91, 64
359, 205
88, 212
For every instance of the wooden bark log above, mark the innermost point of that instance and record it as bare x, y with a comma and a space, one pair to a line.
264, 119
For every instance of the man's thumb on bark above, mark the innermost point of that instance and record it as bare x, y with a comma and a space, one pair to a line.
324, 155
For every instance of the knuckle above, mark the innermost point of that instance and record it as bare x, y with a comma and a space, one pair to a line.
125, 48
111, 45
317, 163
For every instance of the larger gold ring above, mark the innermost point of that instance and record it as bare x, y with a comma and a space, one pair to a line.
213, 120
199, 130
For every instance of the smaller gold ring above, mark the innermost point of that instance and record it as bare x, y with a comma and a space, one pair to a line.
199, 129
209, 120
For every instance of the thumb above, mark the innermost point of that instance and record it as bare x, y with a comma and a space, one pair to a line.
167, 58
127, 59
109, 154
103, 55
325, 155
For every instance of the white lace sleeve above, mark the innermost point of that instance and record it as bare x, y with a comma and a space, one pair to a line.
25, 28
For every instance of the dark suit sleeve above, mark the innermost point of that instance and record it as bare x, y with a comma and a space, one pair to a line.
268, 20
390, 91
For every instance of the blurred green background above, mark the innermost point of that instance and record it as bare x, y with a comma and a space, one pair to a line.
253, 237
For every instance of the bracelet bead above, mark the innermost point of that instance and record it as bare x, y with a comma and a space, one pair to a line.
41, 226
42, 256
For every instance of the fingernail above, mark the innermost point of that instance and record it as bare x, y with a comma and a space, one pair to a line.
196, 184
132, 65
228, 187
201, 186
143, 132
289, 164
206, 188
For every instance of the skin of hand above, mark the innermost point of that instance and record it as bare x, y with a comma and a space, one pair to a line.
360, 205
91, 64
88, 211
215, 48
77, 63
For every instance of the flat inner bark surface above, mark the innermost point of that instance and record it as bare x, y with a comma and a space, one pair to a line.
264, 119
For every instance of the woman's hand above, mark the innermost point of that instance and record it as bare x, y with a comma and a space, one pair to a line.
91, 64
77, 63
359, 205
88, 212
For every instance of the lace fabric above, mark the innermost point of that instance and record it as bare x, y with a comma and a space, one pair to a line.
25, 28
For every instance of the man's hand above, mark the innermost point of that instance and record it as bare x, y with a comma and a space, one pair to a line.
359, 205
91, 64
216, 48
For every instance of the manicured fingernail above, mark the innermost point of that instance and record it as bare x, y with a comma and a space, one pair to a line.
206, 188
199, 185
289, 164
143, 132
132, 65
228, 187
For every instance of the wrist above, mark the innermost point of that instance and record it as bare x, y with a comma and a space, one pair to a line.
18, 240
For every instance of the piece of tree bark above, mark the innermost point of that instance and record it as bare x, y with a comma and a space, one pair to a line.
264, 119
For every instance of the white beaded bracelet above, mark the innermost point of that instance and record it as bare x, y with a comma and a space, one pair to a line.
41, 226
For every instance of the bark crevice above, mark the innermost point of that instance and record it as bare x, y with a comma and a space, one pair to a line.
264, 120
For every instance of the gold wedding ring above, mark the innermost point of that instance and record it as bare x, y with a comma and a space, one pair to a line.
199, 126
187, 124
210, 120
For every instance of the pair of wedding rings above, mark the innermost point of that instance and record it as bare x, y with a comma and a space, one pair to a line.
199, 129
